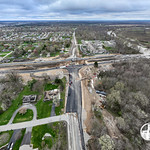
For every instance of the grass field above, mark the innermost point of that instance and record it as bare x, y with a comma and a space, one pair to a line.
5, 117
2, 54
79, 41
28, 116
50, 86
43, 109
56, 130
37, 134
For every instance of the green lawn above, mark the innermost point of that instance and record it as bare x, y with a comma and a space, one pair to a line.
18, 142
28, 116
50, 86
2, 55
58, 110
7, 139
56, 130
43, 109
5, 117
37, 134
79, 41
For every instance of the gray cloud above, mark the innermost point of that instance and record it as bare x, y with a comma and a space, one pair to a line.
74, 9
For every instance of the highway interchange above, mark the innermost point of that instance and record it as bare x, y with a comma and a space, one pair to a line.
73, 107
73, 115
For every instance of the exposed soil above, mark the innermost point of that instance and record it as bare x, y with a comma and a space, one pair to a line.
89, 97
26, 76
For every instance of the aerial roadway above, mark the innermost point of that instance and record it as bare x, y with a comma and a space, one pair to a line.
73, 114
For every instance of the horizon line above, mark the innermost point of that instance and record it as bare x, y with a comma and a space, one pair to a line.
73, 20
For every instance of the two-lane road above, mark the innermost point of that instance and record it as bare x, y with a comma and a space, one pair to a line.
74, 101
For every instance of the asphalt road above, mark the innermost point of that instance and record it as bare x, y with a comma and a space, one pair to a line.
71, 58
15, 136
53, 110
44, 70
74, 91
74, 101
27, 137
73, 47
45, 63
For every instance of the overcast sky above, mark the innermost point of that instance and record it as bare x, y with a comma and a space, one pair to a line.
74, 9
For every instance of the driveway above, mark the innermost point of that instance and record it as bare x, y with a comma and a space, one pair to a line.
17, 132
27, 106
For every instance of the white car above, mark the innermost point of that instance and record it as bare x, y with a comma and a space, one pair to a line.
11, 146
